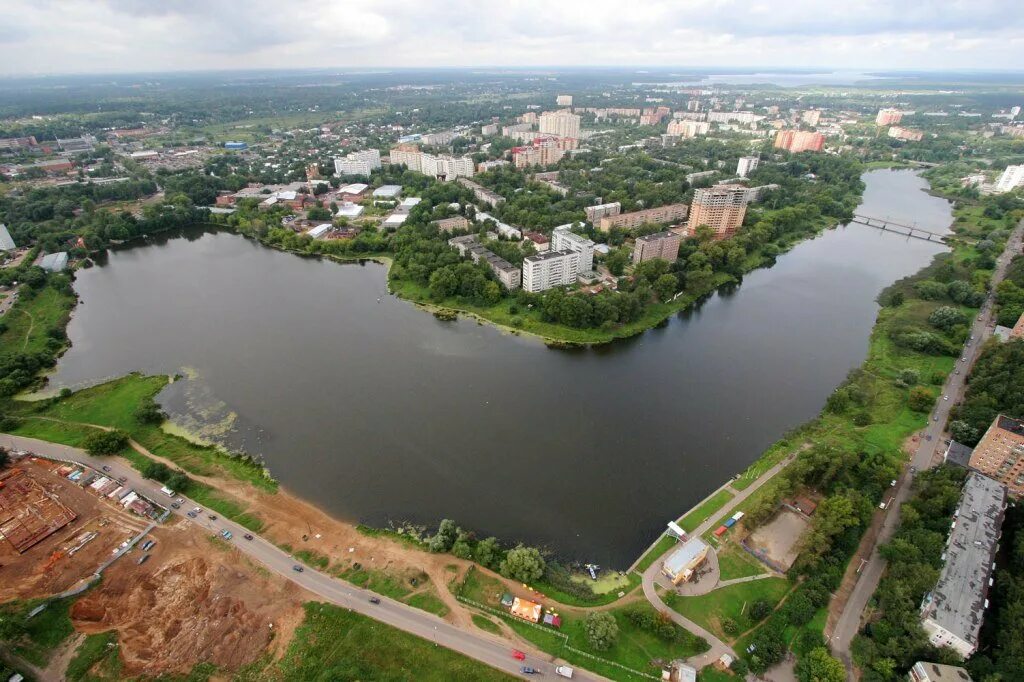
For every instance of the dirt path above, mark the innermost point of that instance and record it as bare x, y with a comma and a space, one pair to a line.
62, 657
31, 326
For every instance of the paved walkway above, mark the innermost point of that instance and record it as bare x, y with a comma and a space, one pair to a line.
718, 647
932, 437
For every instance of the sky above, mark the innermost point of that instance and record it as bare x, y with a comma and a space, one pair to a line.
109, 36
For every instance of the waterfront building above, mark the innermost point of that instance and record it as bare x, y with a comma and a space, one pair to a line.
951, 614
1000, 452
683, 563
746, 165
887, 117
595, 213
1011, 178
796, 141
722, 208
559, 123
358, 163
550, 269
563, 239
669, 213
664, 245
54, 262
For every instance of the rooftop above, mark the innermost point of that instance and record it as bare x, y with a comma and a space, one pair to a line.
957, 603
388, 191
354, 188
680, 559
547, 255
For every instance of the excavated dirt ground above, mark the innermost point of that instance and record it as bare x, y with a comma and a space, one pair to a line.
193, 601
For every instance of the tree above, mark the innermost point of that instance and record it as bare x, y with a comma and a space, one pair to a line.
665, 286
447, 533
105, 442
602, 630
946, 317
760, 608
524, 564
178, 481
616, 261
819, 666
920, 399
487, 552
5, 458
149, 413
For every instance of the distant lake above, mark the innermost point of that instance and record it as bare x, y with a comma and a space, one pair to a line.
375, 410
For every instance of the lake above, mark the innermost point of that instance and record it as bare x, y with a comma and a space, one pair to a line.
376, 411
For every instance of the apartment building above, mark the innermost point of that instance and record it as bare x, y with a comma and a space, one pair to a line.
595, 213
1011, 178
358, 163
489, 129
811, 117
741, 117
1000, 453
550, 269
563, 100
951, 614
563, 239
670, 213
560, 123
408, 155
542, 152
485, 166
688, 129
746, 165
451, 224
909, 134
924, 671
722, 208
887, 117
508, 131
439, 139
481, 193
796, 141
468, 245
442, 166
663, 245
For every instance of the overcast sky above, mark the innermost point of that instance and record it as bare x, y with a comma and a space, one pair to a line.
76, 36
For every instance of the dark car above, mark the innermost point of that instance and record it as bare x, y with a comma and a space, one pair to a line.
527, 670
247, 536
122, 479
191, 514
175, 505
298, 569
106, 468
212, 517
374, 600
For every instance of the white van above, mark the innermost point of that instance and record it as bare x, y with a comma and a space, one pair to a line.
167, 491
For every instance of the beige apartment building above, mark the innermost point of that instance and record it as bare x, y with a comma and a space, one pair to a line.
670, 213
664, 245
722, 208
1000, 453
560, 123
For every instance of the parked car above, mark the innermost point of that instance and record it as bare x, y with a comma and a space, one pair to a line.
175, 505
122, 479
180, 501
298, 569
892, 483
945, 397
191, 514
197, 510
518, 655
564, 671
106, 468
527, 670
881, 505
374, 600
247, 536
212, 517
226, 534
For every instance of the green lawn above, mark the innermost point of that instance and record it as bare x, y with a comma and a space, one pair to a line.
97, 658
709, 610
486, 624
43, 633
712, 674
381, 582
701, 514
663, 545
31, 318
428, 601
333, 643
734, 562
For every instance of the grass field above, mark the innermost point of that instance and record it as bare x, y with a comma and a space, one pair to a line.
734, 563
31, 318
41, 634
663, 545
701, 514
732, 602
486, 624
333, 643
96, 659
428, 600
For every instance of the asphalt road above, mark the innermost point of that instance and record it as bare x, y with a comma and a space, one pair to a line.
932, 441
493, 651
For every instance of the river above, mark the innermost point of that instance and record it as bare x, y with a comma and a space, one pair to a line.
376, 411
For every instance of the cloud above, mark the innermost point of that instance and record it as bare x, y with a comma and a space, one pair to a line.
55, 36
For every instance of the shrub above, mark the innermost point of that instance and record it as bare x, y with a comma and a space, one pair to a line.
602, 630
105, 442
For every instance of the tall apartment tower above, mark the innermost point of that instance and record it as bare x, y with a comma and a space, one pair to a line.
886, 117
550, 269
796, 141
664, 245
746, 165
564, 100
562, 239
722, 208
1000, 453
560, 123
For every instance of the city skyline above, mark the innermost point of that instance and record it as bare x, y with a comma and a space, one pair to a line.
123, 36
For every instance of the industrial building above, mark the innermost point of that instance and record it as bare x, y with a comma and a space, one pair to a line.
951, 614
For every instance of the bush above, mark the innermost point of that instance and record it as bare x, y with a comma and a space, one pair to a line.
105, 442
760, 609
920, 399
602, 630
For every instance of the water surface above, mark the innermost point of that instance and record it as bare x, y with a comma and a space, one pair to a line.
375, 410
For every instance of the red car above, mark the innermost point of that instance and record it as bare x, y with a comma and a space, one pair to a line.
518, 655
